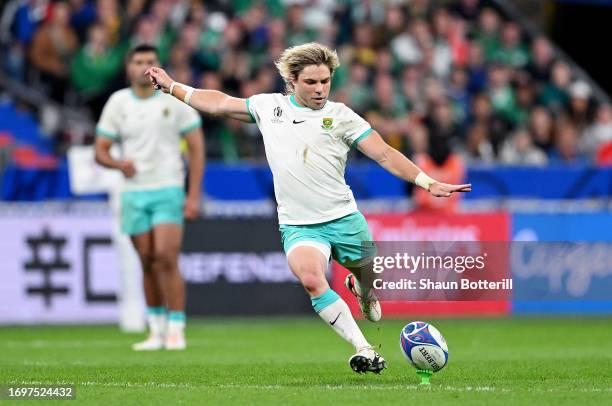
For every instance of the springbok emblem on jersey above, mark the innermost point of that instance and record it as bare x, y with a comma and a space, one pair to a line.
328, 123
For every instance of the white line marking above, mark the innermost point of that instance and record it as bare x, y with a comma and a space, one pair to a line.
382, 387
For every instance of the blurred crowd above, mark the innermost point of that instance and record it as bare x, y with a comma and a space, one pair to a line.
447, 82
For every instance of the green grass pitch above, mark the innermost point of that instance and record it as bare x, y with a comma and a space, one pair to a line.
301, 361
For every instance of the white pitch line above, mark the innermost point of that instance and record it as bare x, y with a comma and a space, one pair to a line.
81, 344
63, 344
280, 387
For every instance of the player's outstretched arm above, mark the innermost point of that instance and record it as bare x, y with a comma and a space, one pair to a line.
207, 101
395, 162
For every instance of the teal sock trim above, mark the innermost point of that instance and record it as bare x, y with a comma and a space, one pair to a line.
321, 302
176, 316
156, 310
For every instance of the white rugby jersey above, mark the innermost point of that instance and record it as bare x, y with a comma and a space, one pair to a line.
307, 150
149, 131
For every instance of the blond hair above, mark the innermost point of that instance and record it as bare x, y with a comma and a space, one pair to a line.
293, 61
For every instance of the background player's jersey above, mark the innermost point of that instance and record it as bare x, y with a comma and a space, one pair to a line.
149, 131
307, 150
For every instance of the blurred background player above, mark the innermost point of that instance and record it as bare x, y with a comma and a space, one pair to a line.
307, 139
150, 125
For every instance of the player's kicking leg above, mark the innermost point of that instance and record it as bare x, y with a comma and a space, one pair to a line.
309, 263
359, 283
156, 311
167, 243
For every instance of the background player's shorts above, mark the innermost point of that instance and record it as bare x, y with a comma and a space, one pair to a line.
141, 210
347, 239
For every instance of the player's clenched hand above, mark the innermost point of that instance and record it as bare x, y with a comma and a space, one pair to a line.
192, 207
159, 78
127, 168
439, 189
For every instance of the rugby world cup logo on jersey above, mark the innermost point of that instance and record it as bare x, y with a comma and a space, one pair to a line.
277, 114
328, 123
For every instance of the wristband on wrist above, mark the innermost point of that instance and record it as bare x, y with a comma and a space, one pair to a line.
424, 181
189, 93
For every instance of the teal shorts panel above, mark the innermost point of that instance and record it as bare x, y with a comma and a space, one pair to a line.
141, 210
349, 237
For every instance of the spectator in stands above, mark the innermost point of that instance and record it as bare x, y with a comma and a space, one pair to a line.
447, 166
467, 9
357, 88
319, 17
422, 9
83, 14
459, 95
412, 89
555, 94
18, 25
512, 52
442, 52
150, 30
188, 40
405, 47
525, 98
579, 110
108, 16
458, 41
487, 32
363, 45
434, 93
275, 8
178, 14
477, 148
395, 21
501, 93
256, 33
441, 124
364, 12
179, 65
599, 133
235, 63
297, 32
209, 45
541, 127
24, 17
160, 12
519, 150
476, 68
384, 63
417, 143
96, 66
482, 114
52, 47
566, 150
220, 139
541, 60
388, 111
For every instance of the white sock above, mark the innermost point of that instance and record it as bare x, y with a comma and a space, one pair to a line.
157, 321
176, 323
344, 324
